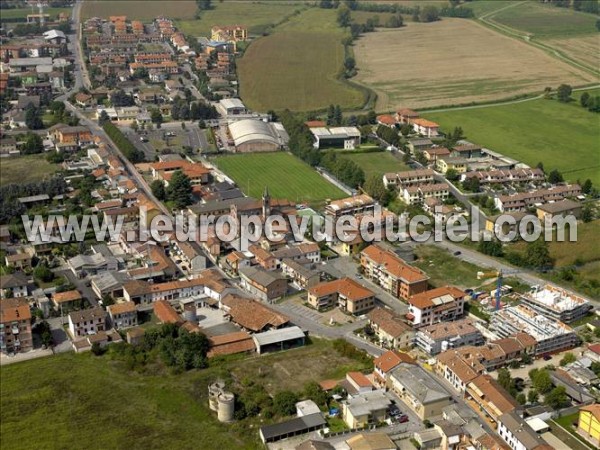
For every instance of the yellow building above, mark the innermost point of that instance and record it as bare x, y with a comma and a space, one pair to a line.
589, 424
233, 33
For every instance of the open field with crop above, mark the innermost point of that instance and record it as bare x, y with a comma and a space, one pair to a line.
584, 49
284, 174
257, 16
540, 20
376, 163
454, 61
297, 66
95, 403
562, 136
25, 169
146, 10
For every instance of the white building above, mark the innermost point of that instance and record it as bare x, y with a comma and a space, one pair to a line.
446, 335
556, 303
347, 138
518, 434
87, 321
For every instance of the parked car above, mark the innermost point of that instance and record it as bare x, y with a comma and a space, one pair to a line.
403, 418
547, 357
456, 253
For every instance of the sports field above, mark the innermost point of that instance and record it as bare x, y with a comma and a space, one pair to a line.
562, 136
376, 163
21, 13
454, 61
285, 175
257, 16
297, 66
140, 10
26, 169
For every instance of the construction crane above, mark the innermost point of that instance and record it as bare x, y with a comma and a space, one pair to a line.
499, 275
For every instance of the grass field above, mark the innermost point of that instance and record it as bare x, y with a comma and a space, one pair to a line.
471, 63
284, 174
540, 20
257, 16
146, 10
297, 66
444, 269
21, 13
376, 163
94, 403
25, 169
562, 136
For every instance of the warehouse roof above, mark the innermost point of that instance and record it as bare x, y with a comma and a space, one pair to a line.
278, 335
251, 130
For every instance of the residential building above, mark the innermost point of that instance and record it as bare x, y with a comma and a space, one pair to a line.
588, 425
491, 398
92, 264
142, 292
509, 176
67, 301
436, 338
231, 343
556, 303
561, 208
523, 200
517, 433
419, 390
359, 204
390, 329
15, 326
406, 115
383, 365
346, 293
417, 145
87, 321
367, 408
19, 261
359, 383
369, 441
165, 313
267, 286
233, 33
300, 275
417, 195
390, 272
123, 315
13, 285
443, 304
252, 315
551, 335
409, 178
425, 127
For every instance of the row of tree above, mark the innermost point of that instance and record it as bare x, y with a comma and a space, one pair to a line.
345, 170
588, 6
184, 110
9, 205
591, 103
127, 148
388, 134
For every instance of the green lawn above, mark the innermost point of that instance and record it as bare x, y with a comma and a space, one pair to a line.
257, 16
445, 269
147, 11
83, 401
284, 174
376, 163
297, 66
563, 136
21, 13
545, 21
25, 169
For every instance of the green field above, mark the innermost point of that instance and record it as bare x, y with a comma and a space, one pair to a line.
284, 174
539, 20
25, 169
257, 16
445, 269
21, 13
82, 401
376, 163
297, 66
147, 11
563, 136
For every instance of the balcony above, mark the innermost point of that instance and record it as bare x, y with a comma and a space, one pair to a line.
14, 329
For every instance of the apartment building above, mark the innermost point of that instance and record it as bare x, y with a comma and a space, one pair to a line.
87, 321
389, 271
556, 303
345, 293
443, 304
434, 339
123, 315
391, 330
408, 178
417, 195
15, 326
519, 435
359, 204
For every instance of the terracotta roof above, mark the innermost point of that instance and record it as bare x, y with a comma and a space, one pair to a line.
391, 359
425, 123
14, 309
594, 409
427, 298
252, 315
347, 287
123, 307
408, 112
359, 379
454, 361
492, 442
386, 119
68, 296
328, 385
228, 344
165, 312
493, 394
388, 321
394, 265
316, 124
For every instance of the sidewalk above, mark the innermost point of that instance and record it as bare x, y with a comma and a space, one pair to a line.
33, 354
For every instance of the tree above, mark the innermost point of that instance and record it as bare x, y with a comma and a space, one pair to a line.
103, 118
156, 117
158, 189
180, 190
429, 14
557, 398
598, 24
584, 99
491, 248
395, 21
405, 129
33, 121
204, 4
343, 16
284, 403
521, 399
349, 63
452, 174
567, 359
33, 144
586, 187
587, 213
504, 378
555, 177
375, 188
540, 380
532, 396
337, 115
330, 114
43, 273
563, 93
537, 254
314, 392
472, 184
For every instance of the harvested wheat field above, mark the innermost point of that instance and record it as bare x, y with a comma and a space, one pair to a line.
584, 49
454, 61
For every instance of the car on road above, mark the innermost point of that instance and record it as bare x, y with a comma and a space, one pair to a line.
457, 252
403, 418
143, 139
547, 357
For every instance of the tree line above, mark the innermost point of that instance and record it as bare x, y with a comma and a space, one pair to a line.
9, 205
127, 148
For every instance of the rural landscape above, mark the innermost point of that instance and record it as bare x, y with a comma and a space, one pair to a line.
300, 224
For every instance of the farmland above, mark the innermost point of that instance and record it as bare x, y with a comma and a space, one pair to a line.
21, 13
94, 402
583, 49
26, 169
181, 9
258, 17
534, 131
284, 174
376, 163
297, 66
471, 64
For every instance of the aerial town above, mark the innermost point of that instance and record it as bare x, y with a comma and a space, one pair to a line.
145, 113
